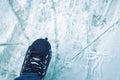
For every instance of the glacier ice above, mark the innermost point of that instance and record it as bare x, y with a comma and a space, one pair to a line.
84, 35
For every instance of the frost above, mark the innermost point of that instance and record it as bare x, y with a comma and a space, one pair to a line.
84, 36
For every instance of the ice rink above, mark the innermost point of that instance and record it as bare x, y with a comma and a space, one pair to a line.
84, 34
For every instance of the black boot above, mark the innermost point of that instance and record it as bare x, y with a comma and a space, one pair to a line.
37, 58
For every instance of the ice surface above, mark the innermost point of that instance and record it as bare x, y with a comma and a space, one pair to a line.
84, 35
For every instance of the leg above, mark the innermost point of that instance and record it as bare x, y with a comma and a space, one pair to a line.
28, 76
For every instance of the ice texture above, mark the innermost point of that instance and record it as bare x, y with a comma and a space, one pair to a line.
84, 34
